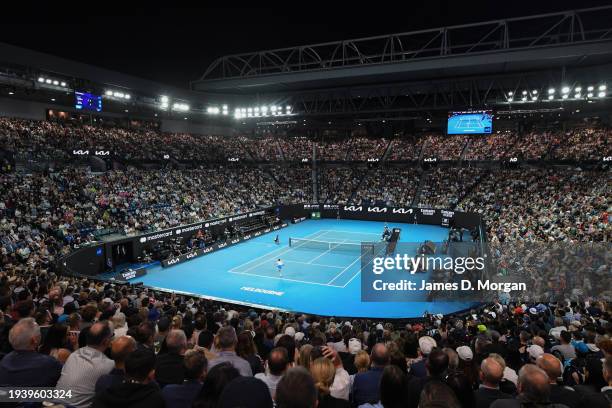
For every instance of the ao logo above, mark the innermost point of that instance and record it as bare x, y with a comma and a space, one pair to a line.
143, 240
513, 160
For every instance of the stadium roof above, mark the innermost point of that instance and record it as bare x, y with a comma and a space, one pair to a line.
580, 38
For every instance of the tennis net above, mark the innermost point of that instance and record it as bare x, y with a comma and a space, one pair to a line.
331, 245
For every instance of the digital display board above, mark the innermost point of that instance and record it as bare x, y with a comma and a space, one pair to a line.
472, 122
88, 101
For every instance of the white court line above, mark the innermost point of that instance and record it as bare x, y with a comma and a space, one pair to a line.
287, 279
328, 251
270, 253
354, 233
345, 269
355, 275
317, 264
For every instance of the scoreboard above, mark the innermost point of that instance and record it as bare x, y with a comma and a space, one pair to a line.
88, 101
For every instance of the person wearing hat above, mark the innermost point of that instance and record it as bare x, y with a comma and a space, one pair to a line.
426, 344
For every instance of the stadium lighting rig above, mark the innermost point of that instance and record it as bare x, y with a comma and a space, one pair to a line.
181, 107
263, 111
51, 82
566, 92
117, 95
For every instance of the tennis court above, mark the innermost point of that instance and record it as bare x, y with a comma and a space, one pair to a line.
327, 257
321, 274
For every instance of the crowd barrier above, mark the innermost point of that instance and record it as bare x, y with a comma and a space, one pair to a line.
99, 258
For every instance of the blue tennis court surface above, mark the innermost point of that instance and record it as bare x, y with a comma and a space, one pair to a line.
317, 279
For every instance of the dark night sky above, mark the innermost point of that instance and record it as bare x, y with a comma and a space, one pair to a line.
176, 45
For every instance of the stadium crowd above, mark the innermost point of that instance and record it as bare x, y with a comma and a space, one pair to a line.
129, 346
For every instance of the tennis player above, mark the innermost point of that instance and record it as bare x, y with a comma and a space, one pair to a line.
279, 266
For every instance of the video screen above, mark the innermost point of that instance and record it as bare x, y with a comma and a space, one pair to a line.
88, 101
474, 122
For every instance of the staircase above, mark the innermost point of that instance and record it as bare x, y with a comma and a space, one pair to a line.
417, 194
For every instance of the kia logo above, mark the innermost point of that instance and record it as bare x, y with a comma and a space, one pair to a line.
377, 209
173, 261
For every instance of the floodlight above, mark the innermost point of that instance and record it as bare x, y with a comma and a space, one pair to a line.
551, 91
590, 88
602, 87
41, 79
601, 94
565, 89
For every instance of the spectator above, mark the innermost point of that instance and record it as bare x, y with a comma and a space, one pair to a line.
533, 388
436, 394
323, 373
205, 342
169, 368
183, 395
296, 390
565, 349
56, 343
215, 382
24, 367
418, 368
393, 389
558, 393
436, 366
139, 389
276, 365
491, 374
121, 347
86, 365
245, 392
227, 344
247, 350
366, 386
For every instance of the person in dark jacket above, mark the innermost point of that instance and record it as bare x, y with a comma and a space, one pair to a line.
491, 374
558, 393
366, 386
138, 390
183, 395
23, 366
170, 368
533, 388
121, 347
436, 366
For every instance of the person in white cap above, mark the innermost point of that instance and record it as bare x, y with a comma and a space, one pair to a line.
426, 344
465, 353
534, 351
